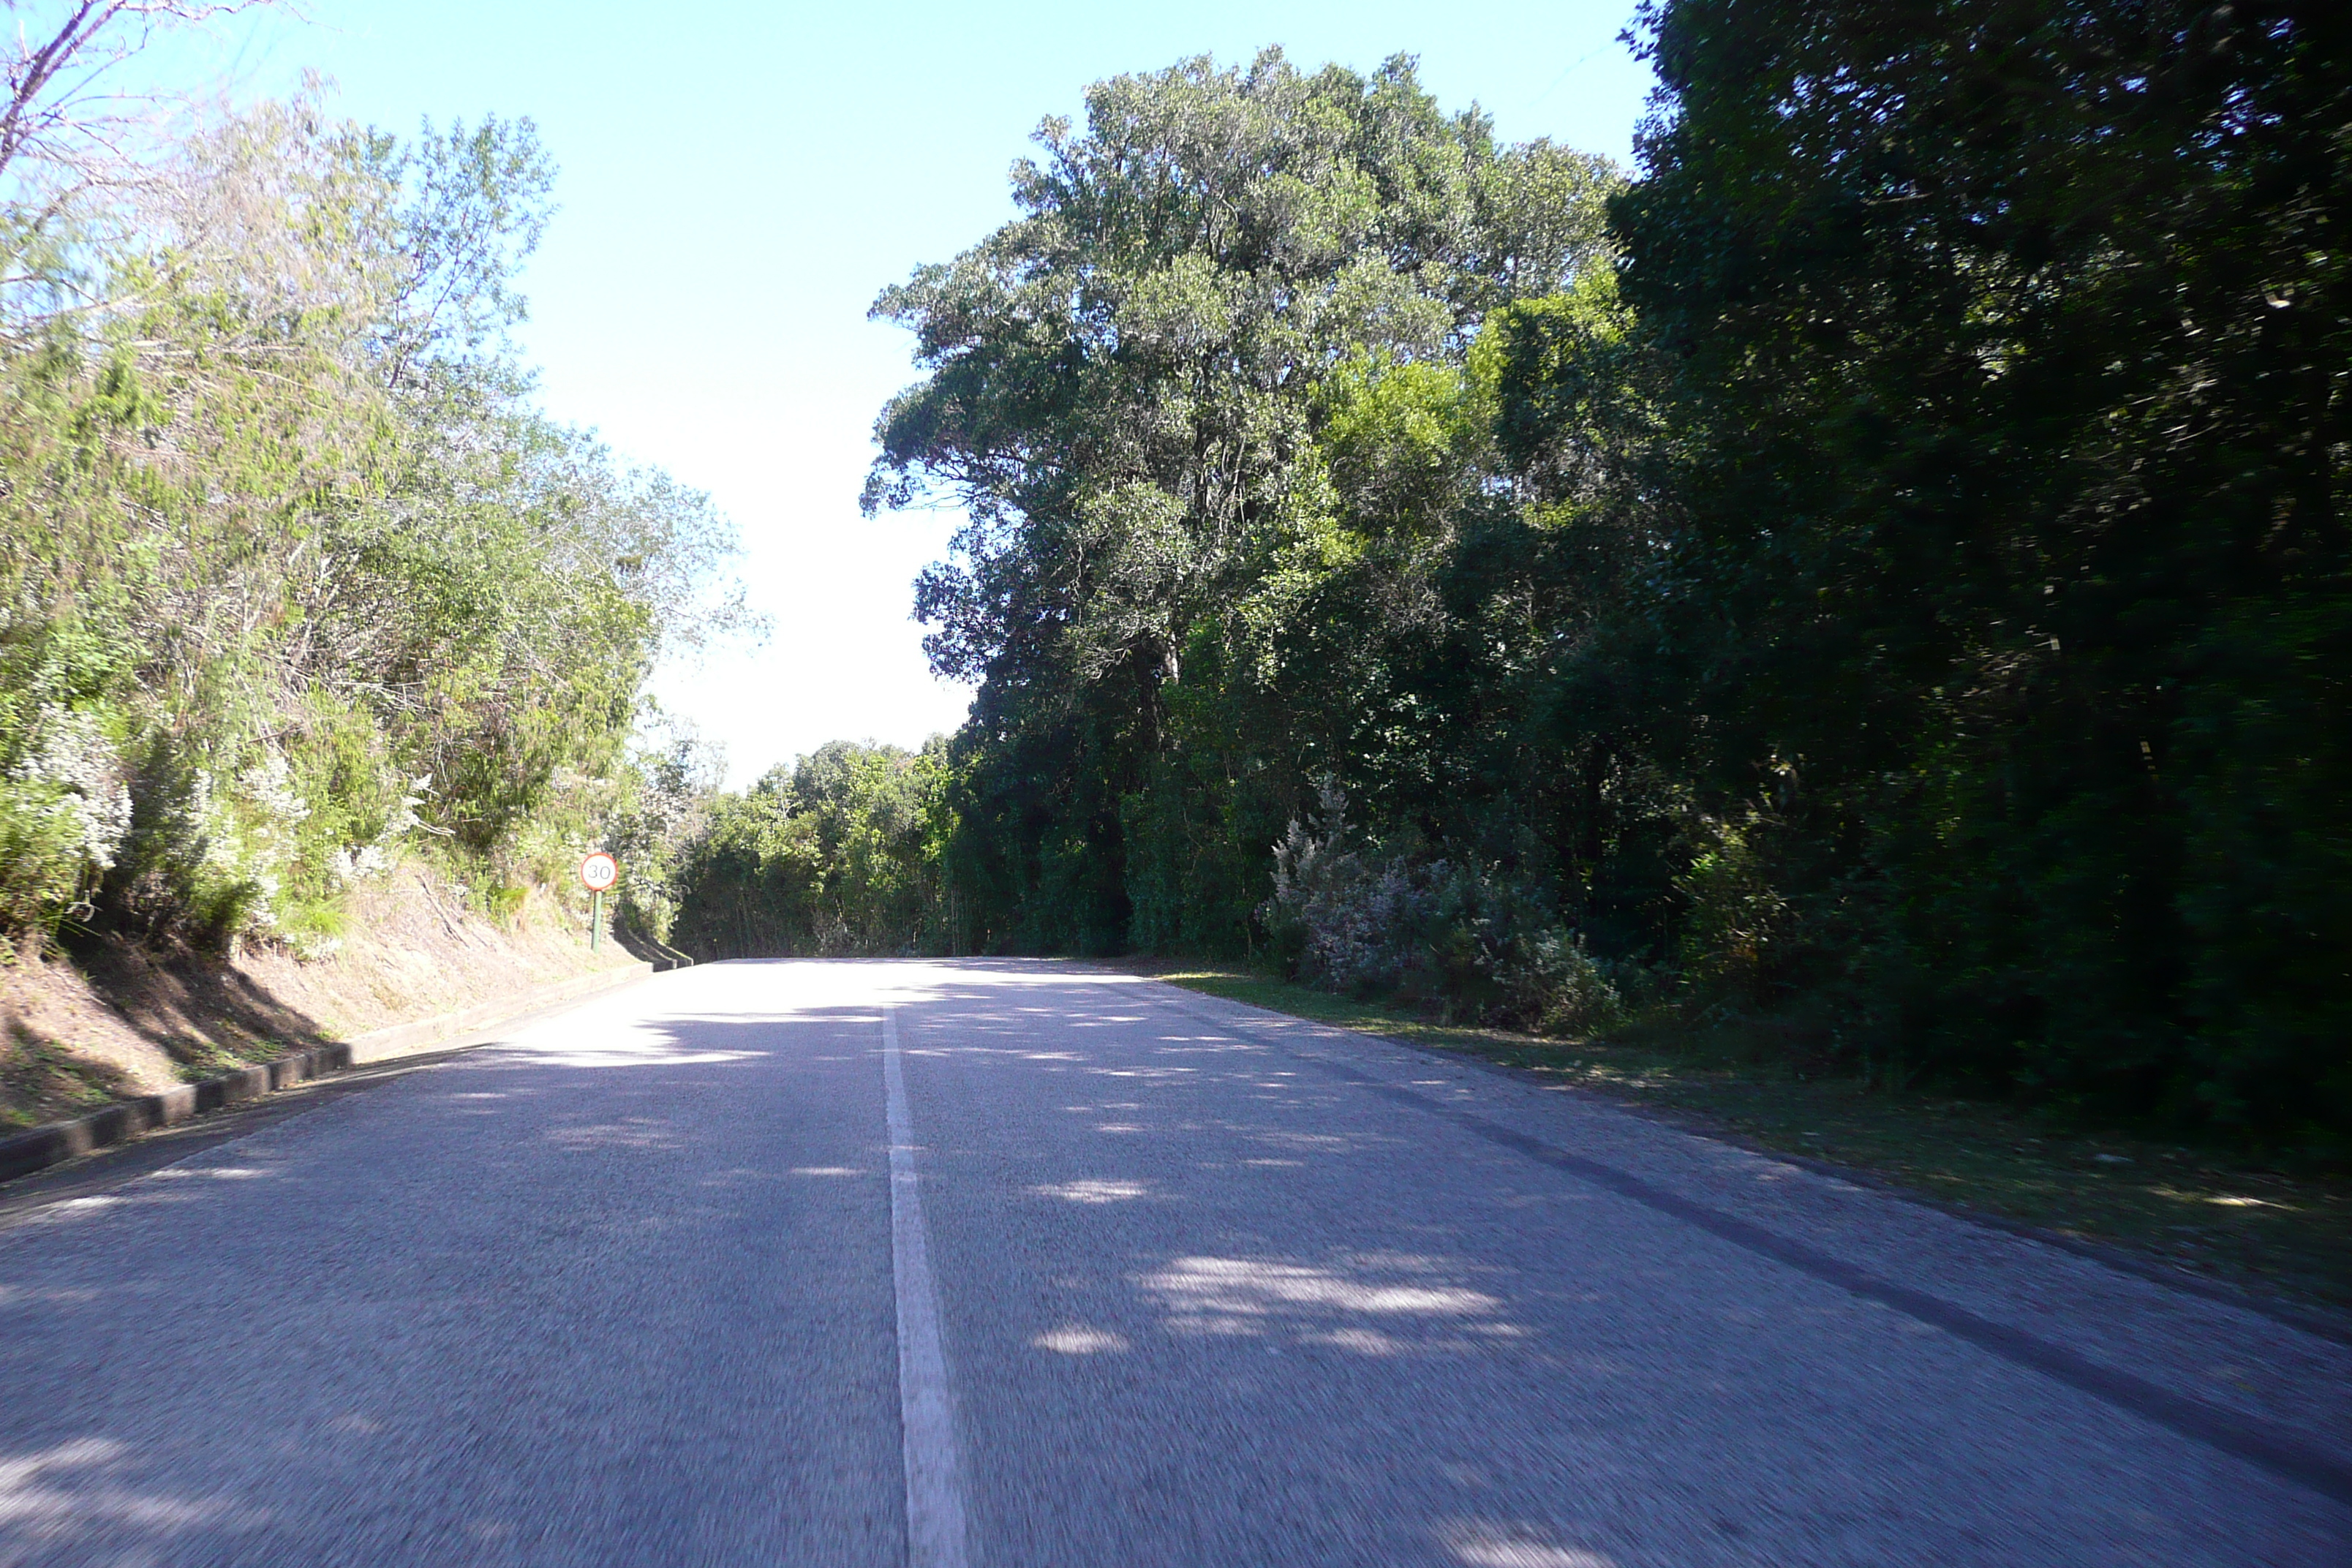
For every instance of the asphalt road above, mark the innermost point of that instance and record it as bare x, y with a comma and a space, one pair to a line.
1021, 1264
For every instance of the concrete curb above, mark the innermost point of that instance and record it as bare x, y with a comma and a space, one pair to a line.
55, 1143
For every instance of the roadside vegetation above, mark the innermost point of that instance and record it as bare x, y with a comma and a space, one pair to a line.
838, 853
1844, 626
297, 582
1870, 581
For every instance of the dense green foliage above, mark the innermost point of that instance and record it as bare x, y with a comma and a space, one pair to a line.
1882, 571
1207, 408
2008, 350
837, 854
294, 579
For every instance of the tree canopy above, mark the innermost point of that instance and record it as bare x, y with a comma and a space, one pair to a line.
1878, 568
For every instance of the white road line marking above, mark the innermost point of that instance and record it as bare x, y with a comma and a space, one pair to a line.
935, 1528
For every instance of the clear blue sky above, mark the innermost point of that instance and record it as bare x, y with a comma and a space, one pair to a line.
739, 180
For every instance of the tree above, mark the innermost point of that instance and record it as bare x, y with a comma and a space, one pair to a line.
64, 111
1123, 389
837, 854
2009, 349
295, 572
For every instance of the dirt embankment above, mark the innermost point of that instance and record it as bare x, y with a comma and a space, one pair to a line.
112, 1018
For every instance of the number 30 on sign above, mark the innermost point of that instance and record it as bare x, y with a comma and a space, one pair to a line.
599, 872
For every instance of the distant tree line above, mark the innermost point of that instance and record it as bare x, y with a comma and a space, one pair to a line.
839, 853
1881, 570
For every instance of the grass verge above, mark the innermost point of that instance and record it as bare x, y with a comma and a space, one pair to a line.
2199, 1209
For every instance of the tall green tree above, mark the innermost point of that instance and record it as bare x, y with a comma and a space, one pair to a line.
1890, 575
1124, 389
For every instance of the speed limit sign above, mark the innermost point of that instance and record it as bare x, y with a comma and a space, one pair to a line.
598, 872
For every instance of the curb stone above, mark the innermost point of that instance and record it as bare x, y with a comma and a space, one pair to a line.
55, 1143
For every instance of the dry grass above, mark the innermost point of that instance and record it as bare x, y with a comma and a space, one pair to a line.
40, 1081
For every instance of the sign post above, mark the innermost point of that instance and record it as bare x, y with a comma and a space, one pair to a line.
597, 872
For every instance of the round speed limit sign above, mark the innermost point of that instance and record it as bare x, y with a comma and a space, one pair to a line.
599, 872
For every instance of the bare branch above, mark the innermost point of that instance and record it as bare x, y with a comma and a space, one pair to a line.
59, 109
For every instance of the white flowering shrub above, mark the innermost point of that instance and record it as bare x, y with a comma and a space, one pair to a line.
40, 865
252, 836
212, 850
1445, 931
72, 757
351, 864
65, 811
359, 863
1555, 987
1343, 915
404, 815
